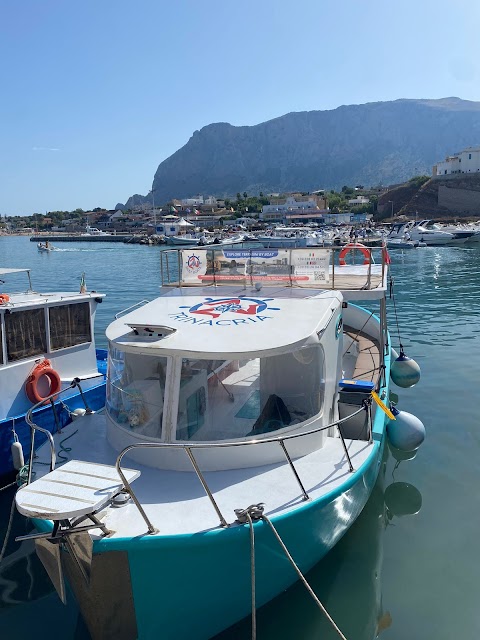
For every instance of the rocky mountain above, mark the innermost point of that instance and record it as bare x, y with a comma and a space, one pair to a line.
370, 144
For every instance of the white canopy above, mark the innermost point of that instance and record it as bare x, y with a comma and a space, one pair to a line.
184, 223
224, 326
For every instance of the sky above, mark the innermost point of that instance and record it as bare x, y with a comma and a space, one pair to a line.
96, 93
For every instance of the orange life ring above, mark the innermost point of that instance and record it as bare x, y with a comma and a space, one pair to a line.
351, 247
4, 298
44, 368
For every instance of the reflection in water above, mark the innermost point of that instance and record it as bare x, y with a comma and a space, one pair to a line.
402, 499
347, 580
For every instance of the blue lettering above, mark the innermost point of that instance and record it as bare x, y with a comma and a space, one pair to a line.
177, 316
264, 317
206, 322
223, 322
243, 321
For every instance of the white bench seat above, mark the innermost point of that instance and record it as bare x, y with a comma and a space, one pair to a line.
72, 490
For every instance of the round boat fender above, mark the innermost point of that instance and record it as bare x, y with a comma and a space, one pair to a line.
42, 369
4, 298
351, 247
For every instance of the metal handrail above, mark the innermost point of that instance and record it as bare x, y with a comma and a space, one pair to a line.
218, 445
137, 304
34, 427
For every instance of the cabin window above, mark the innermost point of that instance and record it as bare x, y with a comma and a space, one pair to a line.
69, 325
229, 399
135, 391
25, 333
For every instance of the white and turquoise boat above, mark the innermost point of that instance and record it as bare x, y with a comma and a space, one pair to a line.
239, 394
46, 345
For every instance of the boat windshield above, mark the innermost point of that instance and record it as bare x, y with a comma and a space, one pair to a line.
135, 391
227, 399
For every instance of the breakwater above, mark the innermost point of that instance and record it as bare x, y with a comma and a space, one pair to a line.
73, 238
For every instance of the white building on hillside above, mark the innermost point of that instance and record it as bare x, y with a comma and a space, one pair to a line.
359, 200
195, 202
466, 161
281, 208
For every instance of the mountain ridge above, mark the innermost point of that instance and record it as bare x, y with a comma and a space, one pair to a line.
372, 143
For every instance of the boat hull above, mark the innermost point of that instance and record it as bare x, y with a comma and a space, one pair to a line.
155, 580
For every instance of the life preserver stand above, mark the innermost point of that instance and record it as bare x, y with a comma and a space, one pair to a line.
43, 368
351, 247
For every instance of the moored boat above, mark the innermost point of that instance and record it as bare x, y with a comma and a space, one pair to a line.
242, 395
46, 343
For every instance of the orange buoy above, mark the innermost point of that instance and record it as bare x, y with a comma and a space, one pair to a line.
42, 370
4, 298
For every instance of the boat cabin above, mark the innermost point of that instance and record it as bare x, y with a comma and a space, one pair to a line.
189, 367
37, 326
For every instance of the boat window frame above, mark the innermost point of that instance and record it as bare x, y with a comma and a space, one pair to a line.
52, 349
12, 312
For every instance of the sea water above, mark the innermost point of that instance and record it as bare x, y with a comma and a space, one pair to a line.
408, 568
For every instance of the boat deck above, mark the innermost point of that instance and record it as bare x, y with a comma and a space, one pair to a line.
175, 501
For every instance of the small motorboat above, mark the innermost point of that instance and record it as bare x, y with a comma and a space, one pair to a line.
400, 243
45, 247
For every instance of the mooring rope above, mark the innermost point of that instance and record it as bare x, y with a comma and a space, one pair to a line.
254, 513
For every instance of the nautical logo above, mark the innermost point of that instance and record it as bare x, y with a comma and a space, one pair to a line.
225, 311
193, 264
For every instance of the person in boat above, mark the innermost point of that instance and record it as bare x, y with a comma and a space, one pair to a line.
47, 244
233, 268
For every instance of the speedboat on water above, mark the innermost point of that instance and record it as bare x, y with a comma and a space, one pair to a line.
402, 243
46, 343
428, 232
246, 405
45, 247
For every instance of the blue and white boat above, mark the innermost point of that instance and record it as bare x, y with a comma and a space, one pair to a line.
46, 342
239, 407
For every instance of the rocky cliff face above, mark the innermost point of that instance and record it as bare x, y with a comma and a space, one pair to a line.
371, 144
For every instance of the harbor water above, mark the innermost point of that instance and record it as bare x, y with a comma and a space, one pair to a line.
408, 568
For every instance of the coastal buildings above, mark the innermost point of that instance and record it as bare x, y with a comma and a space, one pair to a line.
466, 161
295, 208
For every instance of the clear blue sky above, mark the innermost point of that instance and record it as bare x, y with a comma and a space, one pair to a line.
96, 93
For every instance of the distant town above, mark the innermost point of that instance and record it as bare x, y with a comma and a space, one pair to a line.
351, 204
452, 190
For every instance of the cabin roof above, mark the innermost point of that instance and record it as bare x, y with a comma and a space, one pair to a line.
30, 299
234, 323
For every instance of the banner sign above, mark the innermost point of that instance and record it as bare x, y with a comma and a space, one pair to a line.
302, 267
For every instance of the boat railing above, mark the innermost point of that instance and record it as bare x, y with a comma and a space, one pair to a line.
132, 306
306, 267
280, 440
35, 427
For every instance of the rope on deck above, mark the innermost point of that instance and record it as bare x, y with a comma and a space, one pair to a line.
254, 513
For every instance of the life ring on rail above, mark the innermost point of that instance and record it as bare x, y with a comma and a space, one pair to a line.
44, 368
351, 247
4, 298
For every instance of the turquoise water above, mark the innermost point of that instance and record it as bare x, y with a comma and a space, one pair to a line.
408, 566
